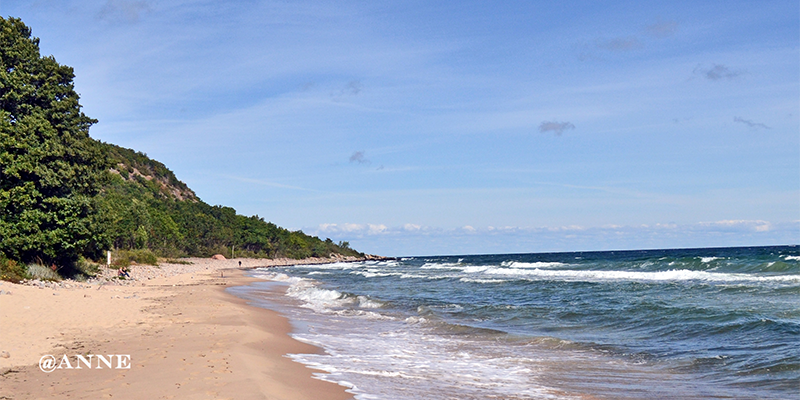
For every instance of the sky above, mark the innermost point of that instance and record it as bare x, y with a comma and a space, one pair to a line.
459, 127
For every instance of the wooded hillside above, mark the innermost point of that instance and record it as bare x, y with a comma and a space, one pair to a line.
65, 196
150, 208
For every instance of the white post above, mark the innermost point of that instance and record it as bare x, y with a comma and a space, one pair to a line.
108, 261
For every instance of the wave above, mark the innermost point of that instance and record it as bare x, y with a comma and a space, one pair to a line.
331, 301
336, 265
676, 275
429, 265
375, 273
534, 265
274, 276
478, 280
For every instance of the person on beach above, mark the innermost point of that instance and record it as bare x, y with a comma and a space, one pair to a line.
123, 272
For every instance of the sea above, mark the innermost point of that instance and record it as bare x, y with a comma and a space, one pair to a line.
718, 323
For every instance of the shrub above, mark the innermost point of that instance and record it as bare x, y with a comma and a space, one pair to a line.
86, 267
11, 270
123, 258
176, 261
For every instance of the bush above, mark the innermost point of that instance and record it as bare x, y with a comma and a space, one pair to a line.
86, 268
12, 271
123, 258
176, 261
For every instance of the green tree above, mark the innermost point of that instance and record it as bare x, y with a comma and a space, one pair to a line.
50, 169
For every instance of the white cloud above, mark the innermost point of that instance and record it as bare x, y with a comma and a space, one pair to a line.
376, 229
341, 228
412, 227
731, 222
352, 227
753, 225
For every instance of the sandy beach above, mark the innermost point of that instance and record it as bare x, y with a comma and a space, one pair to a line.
185, 335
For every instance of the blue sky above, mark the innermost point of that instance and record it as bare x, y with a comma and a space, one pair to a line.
418, 128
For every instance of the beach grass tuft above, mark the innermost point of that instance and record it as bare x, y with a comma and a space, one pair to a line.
36, 271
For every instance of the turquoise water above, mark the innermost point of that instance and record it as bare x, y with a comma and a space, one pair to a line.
702, 323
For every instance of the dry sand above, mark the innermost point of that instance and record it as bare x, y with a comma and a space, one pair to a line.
187, 338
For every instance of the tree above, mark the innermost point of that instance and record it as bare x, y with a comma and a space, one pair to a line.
50, 169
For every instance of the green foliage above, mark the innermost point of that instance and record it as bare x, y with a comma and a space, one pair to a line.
140, 256
86, 268
50, 169
176, 261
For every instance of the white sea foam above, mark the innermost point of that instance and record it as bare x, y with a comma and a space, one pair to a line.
449, 308
328, 301
791, 258
375, 273
707, 260
336, 265
412, 276
314, 297
366, 302
389, 263
415, 320
349, 312
478, 280
671, 275
647, 264
274, 276
397, 362
539, 265
440, 266
476, 268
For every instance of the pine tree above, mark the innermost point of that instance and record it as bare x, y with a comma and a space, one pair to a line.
50, 169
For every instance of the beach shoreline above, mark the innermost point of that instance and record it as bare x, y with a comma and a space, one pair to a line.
186, 335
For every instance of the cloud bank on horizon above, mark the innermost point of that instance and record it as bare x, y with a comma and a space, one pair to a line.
423, 128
